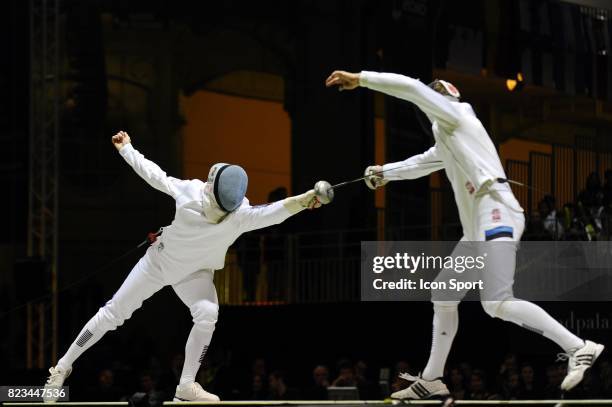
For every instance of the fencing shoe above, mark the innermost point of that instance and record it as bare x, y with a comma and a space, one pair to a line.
578, 362
193, 392
421, 389
54, 383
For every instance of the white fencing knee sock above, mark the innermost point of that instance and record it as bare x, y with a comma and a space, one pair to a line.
534, 318
445, 325
204, 318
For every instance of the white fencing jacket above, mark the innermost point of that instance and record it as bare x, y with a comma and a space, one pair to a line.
191, 243
462, 146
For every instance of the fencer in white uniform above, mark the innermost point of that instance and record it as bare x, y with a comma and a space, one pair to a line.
488, 211
209, 217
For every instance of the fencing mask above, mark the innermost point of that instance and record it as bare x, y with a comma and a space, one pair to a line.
446, 89
228, 185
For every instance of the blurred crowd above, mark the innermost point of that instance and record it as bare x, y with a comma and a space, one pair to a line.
588, 218
512, 380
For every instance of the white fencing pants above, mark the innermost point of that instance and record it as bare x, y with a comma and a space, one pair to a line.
197, 291
498, 230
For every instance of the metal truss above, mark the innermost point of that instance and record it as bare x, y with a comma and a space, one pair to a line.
41, 340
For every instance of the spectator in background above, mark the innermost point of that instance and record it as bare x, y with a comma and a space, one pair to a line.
590, 195
550, 224
320, 378
278, 389
346, 375
554, 377
256, 386
368, 390
511, 385
509, 364
456, 383
528, 388
148, 395
361, 369
478, 386
105, 389
466, 370
574, 229
258, 368
258, 389
590, 206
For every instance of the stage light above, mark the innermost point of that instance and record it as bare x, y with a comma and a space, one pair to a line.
515, 84
510, 84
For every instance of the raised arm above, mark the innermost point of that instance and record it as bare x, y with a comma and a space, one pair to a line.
148, 170
429, 101
414, 167
261, 216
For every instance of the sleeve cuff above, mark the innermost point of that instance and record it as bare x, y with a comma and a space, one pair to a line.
126, 149
364, 78
389, 170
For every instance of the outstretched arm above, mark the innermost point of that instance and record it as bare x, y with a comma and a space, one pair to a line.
403, 87
148, 170
414, 167
417, 166
261, 216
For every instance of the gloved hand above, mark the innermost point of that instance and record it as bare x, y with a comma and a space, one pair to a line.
307, 200
374, 178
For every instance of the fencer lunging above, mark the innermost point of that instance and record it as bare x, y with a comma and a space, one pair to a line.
209, 217
488, 211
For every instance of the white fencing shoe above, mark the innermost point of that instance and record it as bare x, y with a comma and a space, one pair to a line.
421, 389
579, 362
57, 375
193, 392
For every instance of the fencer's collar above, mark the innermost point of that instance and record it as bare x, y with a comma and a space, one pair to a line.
210, 209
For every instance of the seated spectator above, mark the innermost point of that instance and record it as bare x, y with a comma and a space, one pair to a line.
148, 395
258, 368
478, 387
258, 389
589, 196
278, 389
511, 385
466, 370
368, 390
572, 224
255, 386
105, 389
320, 379
509, 364
456, 384
550, 223
591, 204
346, 375
528, 389
554, 377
